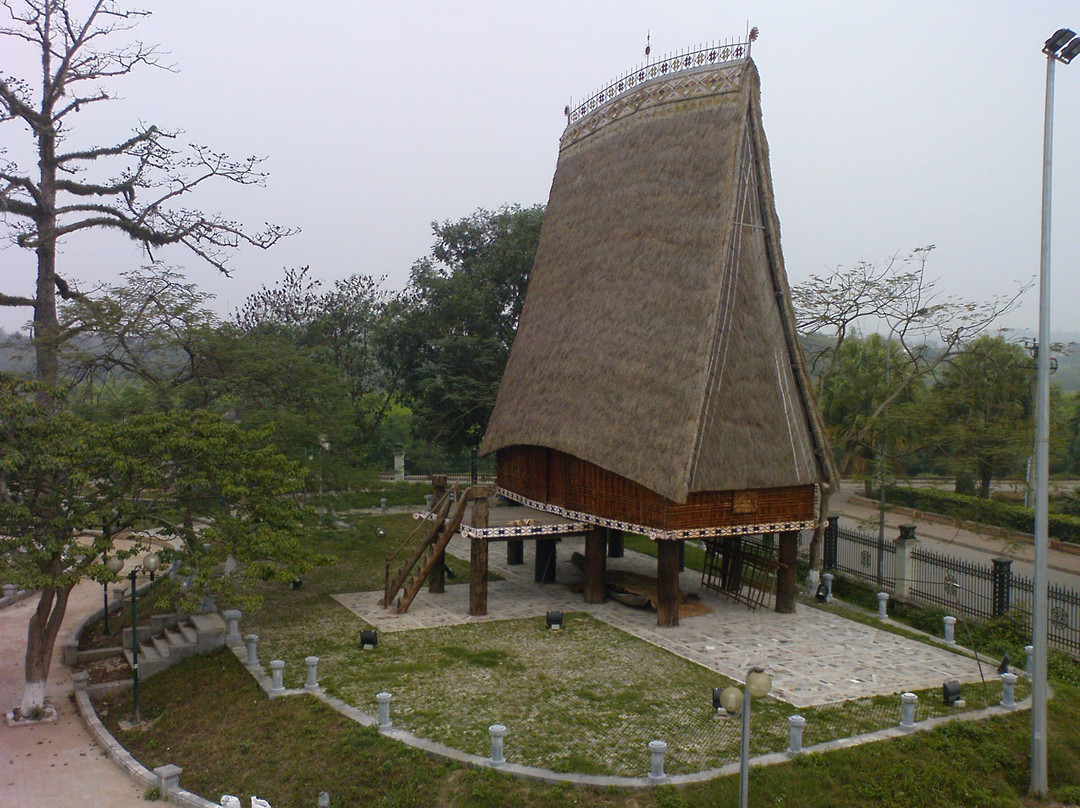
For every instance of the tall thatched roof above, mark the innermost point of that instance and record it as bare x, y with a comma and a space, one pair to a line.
657, 339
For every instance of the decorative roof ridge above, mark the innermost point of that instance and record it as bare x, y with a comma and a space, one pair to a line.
727, 52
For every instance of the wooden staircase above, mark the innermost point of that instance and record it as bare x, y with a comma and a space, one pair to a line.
428, 552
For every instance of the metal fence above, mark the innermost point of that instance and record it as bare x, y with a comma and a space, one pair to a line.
865, 557
964, 588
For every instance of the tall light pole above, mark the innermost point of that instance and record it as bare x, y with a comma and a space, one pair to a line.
758, 684
1063, 46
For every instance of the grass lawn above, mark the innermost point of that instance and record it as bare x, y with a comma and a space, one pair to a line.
588, 699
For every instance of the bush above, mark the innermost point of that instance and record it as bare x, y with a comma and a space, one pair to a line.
985, 511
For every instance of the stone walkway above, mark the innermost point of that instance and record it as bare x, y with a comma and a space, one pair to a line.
814, 657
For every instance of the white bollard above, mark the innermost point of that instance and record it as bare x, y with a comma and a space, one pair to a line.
827, 577
882, 604
796, 724
312, 681
1008, 691
232, 626
950, 630
498, 732
384, 710
1029, 665
657, 750
907, 710
252, 643
277, 673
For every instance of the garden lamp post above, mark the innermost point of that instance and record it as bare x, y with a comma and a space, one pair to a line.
113, 565
1063, 47
758, 683
150, 563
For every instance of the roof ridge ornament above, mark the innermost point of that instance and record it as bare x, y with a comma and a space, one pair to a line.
716, 53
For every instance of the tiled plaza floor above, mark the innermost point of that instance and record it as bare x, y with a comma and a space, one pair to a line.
814, 657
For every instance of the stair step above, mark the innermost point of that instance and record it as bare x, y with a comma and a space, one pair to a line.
189, 633
160, 646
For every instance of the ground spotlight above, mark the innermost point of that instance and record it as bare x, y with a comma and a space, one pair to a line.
554, 621
950, 693
368, 639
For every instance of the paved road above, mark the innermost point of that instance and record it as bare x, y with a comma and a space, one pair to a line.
965, 544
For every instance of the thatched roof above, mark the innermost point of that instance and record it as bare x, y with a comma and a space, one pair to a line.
657, 338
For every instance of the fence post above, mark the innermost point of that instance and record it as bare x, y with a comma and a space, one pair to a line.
905, 543
1002, 580
832, 534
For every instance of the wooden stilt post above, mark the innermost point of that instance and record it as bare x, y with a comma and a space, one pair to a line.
595, 566
437, 576
786, 583
682, 556
667, 583
478, 557
515, 552
546, 556
614, 543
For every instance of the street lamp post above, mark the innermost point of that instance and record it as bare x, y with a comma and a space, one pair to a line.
150, 563
758, 683
1063, 47
113, 565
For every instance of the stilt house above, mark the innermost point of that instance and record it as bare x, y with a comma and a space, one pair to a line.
656, 383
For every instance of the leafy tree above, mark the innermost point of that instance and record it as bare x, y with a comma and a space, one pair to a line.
136, 187
982, 403
448, 336
69, 486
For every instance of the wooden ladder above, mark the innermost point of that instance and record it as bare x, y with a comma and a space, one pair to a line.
426, 554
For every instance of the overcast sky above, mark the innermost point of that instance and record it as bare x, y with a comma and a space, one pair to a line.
891, 126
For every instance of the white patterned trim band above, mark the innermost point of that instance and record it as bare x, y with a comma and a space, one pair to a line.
517, 531
657, 534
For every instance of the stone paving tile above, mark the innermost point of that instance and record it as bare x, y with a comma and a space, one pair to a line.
815, 657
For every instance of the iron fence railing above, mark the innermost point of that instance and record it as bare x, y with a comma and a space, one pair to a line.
865, 557
715, 54
960, 586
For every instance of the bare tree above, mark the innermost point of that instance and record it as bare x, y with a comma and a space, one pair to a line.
897, 298
137, 187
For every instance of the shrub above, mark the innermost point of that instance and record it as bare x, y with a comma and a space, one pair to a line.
985, 511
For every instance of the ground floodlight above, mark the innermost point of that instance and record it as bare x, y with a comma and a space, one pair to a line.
1005, 662
717, 703
368, 639
1069, 52
950, 692
554, 621
758, 682
822, 594
1057, 41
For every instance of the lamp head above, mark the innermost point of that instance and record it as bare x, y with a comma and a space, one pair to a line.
758, 682
114, 564
1069, 52
731, 699
1057, 41
151, 562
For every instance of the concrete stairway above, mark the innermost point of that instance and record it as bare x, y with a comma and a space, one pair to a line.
172, 637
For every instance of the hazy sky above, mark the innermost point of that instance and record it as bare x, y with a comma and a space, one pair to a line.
891, 126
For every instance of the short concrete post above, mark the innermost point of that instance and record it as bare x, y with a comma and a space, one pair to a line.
827, 577
498, 732
950, 630
882, 605
657, 750
277, 674
79, 680
796, 724
382, 507
1008, 691
384, 710
312, 681
324, 799
252, 643
168, 779
907, 710
428, 499
10, 590
232, 626
117, 600
1029, 665
905, 544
